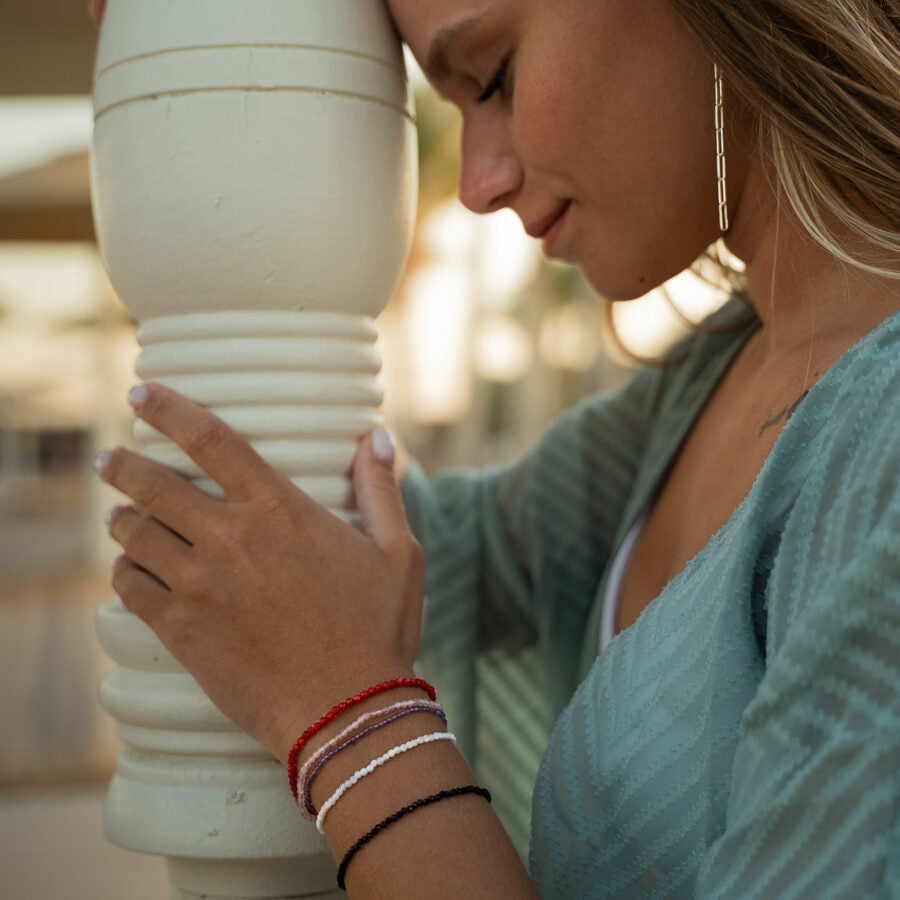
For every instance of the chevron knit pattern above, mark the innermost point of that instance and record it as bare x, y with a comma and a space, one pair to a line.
742, 739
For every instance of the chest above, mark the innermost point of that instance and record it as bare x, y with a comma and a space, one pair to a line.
634, 786
711, 474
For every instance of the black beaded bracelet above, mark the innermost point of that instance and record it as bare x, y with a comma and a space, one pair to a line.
425, 801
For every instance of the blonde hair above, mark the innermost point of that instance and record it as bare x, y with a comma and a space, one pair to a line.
823, 78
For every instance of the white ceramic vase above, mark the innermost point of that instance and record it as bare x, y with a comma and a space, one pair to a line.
254, 182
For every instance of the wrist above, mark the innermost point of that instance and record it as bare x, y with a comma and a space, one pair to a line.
337, 699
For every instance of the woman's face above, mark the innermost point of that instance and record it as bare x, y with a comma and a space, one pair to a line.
591, 119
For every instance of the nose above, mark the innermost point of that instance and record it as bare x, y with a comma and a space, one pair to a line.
490, 173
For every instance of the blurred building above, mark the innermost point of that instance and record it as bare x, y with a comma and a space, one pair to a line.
65, 354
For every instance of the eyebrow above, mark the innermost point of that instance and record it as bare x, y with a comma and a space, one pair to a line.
437, 63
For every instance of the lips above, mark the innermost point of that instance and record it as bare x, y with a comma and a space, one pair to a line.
540, 227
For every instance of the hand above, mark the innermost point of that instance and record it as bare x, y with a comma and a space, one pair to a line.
278, 608
96, 9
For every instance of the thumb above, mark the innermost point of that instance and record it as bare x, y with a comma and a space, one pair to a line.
377, 493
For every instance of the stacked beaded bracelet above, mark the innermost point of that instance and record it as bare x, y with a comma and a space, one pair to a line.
359, 774
339, 708
326, 752
406, 810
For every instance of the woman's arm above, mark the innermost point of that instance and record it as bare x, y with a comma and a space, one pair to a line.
453, 848
280, 610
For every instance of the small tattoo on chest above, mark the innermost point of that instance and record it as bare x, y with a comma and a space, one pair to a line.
782, 416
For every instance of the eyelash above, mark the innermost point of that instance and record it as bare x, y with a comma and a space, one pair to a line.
497, 83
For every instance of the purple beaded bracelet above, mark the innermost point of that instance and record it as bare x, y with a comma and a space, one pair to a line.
304, 770
306, 802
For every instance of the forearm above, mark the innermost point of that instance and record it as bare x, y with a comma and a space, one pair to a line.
452, 848
335, 609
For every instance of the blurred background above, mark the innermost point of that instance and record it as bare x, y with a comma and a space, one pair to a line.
484, 343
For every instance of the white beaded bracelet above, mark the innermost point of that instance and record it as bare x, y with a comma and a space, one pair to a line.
359, 774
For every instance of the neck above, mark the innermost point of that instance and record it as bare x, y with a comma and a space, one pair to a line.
808, 301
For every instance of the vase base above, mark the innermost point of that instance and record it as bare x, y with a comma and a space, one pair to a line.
310, 878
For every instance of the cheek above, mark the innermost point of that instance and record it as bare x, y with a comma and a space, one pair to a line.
549, 121
622, 85
581, 102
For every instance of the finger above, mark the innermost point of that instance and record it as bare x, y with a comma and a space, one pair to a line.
95, 10
225, 456
158, 490
138, 590
149, 544
377, 493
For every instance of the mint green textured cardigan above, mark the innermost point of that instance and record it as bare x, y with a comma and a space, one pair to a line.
742, 738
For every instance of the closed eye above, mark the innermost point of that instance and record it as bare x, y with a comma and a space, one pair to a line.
497, 83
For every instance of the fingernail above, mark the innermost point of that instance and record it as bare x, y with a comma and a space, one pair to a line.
102, 460
111, 514
383, 446
137, 396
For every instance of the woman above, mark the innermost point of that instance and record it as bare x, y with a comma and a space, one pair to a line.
741, 736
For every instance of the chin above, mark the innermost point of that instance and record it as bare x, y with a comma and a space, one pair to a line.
629, 281
620, 290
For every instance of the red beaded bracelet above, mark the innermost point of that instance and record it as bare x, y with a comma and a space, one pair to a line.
346, 704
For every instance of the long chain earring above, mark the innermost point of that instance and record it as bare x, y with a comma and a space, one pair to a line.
720, 151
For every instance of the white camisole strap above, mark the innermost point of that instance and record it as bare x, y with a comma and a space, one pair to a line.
613, 592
